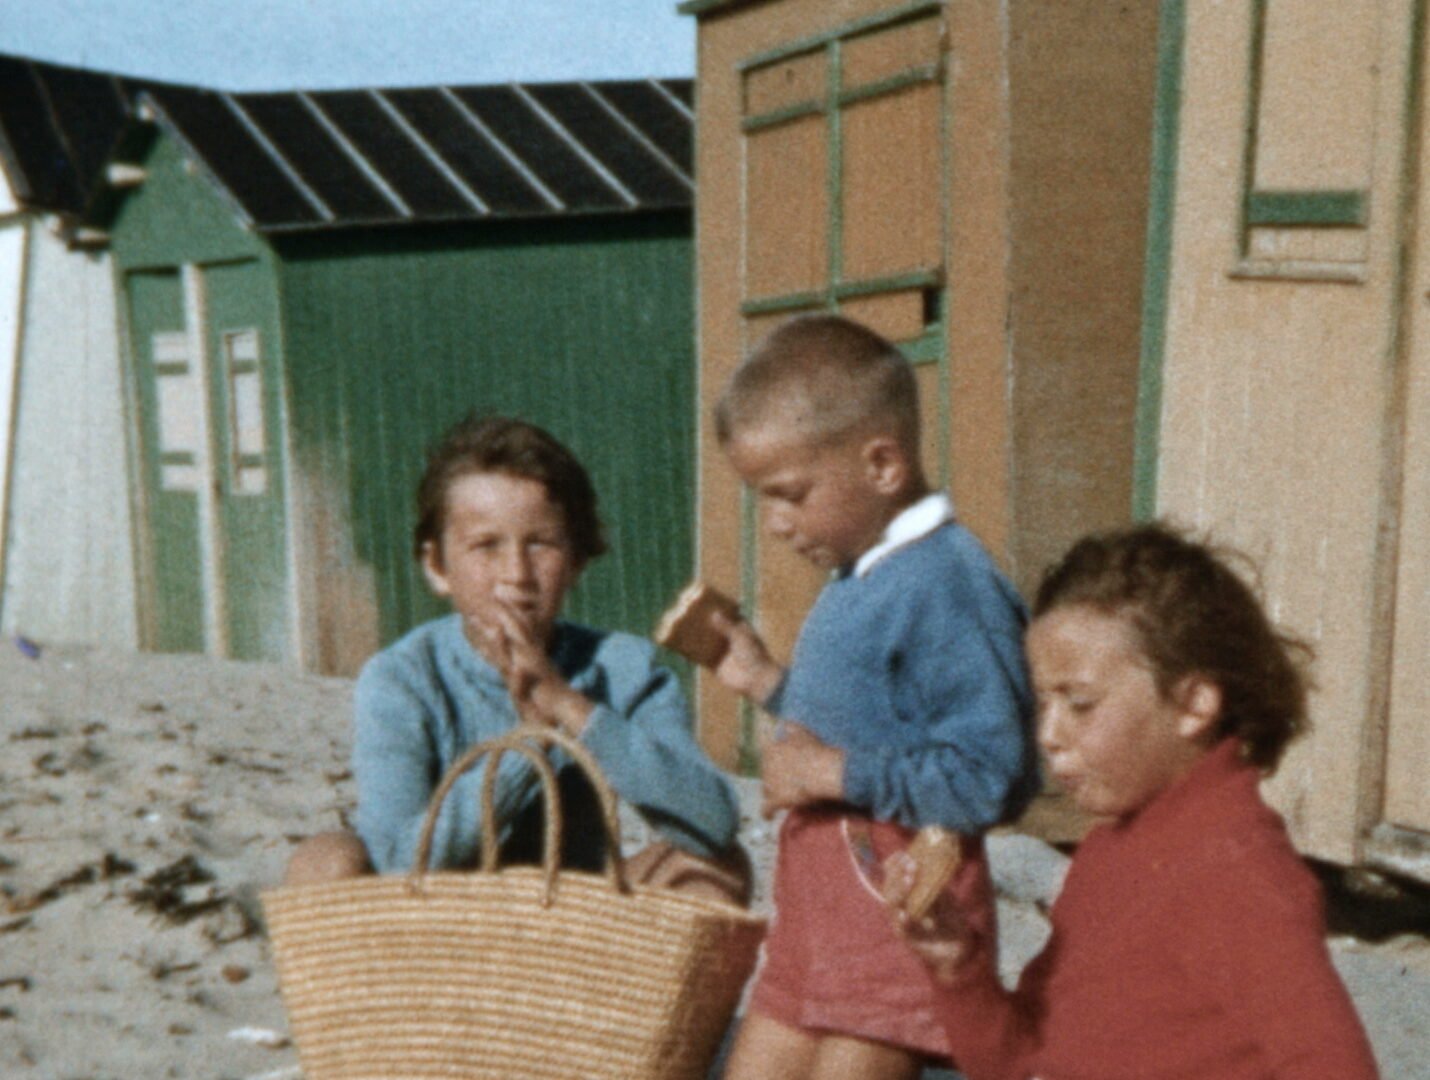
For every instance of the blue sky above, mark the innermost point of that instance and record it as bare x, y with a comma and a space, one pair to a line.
283, 44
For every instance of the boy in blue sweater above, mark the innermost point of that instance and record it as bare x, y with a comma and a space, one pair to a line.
506, 523
906, 703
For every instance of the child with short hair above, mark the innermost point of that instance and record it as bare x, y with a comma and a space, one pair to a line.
507, 521
906, 703
1189, 937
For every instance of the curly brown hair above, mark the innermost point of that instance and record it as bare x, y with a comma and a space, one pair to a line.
502, 444
1193, 616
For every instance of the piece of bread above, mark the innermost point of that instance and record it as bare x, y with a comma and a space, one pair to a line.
686, 628
938, 853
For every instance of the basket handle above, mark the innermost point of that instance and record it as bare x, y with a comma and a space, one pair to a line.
529, 740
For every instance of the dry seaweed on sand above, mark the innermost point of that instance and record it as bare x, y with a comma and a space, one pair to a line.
111, 866
184, 890
177, 891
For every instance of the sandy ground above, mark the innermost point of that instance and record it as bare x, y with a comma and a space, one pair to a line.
146, 800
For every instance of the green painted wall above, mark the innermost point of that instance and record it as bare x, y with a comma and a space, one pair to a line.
584, 326
379, 339
178, 216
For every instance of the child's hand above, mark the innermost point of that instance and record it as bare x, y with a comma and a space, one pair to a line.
537, 689
942, 938
746, 667
797, 769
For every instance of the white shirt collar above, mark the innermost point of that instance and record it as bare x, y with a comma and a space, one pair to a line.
913, 522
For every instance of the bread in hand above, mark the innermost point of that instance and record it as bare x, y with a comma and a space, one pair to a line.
937, 852
687, 627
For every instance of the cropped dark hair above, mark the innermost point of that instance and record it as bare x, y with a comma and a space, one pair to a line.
501, 444
826, 375
1193, 616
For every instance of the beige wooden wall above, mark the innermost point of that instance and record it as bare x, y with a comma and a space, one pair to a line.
1082, 85
1280, 403
1036, 227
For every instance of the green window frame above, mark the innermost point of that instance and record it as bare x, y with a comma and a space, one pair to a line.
1289, 214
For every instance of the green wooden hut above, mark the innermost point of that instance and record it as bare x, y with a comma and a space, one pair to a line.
313, 286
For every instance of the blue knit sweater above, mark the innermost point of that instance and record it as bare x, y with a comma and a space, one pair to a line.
428, 698
916, 671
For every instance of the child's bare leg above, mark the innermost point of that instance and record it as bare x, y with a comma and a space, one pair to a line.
667, 866
330, 856
841, 1056
766, 1049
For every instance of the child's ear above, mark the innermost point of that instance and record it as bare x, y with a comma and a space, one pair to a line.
432, 569
886, 464
1199, 701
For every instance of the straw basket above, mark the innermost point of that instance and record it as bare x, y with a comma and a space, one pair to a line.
508, 973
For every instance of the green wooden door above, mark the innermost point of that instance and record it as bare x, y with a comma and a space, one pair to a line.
170, 404
248, 473
210, 432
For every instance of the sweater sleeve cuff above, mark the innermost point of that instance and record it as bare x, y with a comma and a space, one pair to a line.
860, 779
601, 736
774, 704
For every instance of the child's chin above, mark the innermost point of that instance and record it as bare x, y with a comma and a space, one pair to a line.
819, 558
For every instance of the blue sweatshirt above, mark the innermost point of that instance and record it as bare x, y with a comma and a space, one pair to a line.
429, 697
916, 670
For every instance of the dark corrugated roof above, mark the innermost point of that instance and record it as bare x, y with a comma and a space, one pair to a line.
327, 159
57, 128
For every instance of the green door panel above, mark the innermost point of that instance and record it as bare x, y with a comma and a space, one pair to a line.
167, 382
239, 413
248, 469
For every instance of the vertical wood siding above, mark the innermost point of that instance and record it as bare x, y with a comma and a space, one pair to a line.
1282, 373
69, 572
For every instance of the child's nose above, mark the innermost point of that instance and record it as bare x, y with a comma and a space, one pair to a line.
777, 523
1050, 729
516, 567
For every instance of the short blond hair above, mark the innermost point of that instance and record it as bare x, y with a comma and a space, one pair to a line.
824, 377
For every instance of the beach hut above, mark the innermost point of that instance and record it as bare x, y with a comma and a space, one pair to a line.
1286, 397
970, 179
312, 286
66, 525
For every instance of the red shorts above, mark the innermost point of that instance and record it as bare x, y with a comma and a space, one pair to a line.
831, 960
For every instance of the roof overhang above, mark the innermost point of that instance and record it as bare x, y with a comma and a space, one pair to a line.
700, 8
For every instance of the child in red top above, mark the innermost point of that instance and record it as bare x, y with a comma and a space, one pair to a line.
1189, 938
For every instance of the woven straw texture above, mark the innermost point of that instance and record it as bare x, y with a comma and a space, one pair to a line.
521, 972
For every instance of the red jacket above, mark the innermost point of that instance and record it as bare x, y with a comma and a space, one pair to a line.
1188, 944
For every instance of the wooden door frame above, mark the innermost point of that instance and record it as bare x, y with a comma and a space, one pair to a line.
931, 348
1385, 844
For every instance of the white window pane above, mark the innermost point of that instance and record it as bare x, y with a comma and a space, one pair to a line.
171, 347
179, 477
248, 412
251, 480
241, 346
176, 389
245, 396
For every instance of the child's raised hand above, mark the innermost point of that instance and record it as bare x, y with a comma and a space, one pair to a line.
796, 769
942, 938
747, 667
537, 689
